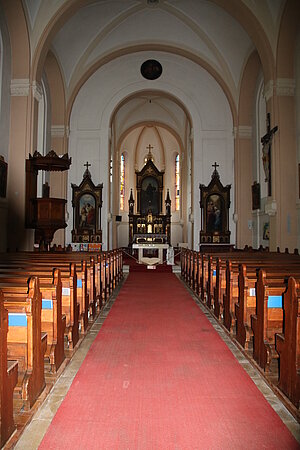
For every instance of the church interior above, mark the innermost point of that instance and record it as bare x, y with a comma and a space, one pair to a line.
150, 224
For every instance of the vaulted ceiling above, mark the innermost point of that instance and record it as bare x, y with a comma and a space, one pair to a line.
203, 30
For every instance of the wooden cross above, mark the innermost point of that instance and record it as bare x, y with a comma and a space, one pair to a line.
266, 141
87, 165
215, 165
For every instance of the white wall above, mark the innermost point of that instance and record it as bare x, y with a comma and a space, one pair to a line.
191, 85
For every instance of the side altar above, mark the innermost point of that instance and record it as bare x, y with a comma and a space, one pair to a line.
87, 204
149, 225
214, 204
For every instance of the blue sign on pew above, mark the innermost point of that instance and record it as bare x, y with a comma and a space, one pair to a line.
47, 304
17, 320
214, 273
274, 301
79, 283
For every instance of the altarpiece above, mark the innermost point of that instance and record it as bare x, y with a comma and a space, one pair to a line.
149, 223
214, 204
87, 204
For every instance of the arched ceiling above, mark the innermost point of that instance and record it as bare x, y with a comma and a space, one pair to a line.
199, 27
149, 108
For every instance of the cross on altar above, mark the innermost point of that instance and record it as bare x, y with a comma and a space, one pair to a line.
149, 148
266, 141
215, 165
87, 165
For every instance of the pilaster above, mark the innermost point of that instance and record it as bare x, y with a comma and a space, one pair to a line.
243, 179
283, 218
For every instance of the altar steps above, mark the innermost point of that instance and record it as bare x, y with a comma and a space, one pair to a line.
159, 268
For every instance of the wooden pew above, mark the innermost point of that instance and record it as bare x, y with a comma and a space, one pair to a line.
26, 343
267, 321
82, 298
38, 266
198, 275
219, 288
204, 278
211, 282
112, 273
245, 304
70, 307
230, 298
53, 322
245, 307
8, 379
91, 288
183, 263
288, 344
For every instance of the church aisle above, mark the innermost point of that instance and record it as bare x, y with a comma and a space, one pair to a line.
158, 376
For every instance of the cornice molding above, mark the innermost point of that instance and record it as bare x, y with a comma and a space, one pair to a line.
19, 87
285, 87
244, 132
59, 131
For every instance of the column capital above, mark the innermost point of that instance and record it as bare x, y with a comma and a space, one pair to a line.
269, 90
37, 91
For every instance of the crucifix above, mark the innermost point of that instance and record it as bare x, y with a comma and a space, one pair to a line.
266, 141
87, 165
215, 165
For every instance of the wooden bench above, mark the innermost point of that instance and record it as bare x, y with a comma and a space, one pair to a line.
44, 268
8, 379
267, 321
53, 322
219, 288
245, 307
26, 343
229, 298
288, 344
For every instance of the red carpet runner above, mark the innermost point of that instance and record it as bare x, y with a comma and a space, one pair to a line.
159, 377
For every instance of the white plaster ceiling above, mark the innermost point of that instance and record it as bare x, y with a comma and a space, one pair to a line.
199, 27
150, 108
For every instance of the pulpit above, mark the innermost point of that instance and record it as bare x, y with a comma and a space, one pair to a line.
45, 214
149, 225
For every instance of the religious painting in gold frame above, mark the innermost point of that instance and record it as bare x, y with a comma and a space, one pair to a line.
214, 204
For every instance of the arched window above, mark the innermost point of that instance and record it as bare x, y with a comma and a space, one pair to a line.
177, 183
122, 182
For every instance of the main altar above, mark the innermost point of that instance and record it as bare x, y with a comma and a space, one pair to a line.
148, 224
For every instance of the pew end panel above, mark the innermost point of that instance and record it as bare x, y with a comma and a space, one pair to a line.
8, 379
26, 343
288, 344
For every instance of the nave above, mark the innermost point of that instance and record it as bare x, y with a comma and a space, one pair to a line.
158, 375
